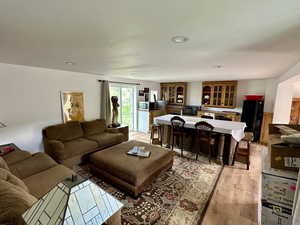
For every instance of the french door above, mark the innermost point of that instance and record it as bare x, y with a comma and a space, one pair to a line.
126, 96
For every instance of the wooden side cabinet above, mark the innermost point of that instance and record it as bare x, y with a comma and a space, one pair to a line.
219, 94
173, 93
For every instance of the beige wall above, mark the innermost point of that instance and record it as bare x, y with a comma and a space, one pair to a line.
30, 101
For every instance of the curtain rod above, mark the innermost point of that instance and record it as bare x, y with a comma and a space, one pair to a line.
118, 82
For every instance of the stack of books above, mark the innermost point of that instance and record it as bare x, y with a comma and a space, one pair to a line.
139, 151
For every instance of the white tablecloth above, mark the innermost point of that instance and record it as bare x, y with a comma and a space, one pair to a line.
236, 129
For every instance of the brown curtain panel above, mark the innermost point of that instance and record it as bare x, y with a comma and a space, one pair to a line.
105, 104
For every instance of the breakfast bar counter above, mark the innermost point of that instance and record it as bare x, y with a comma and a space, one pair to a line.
229, 133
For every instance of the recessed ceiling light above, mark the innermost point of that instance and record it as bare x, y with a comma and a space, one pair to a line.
70, 63
179, 39
218, 66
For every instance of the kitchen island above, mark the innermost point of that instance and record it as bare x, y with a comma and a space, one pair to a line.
228, 133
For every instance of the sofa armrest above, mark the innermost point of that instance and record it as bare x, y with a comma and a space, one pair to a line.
57, 148
122, 129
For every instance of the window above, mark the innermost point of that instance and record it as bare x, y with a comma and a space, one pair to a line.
126, 96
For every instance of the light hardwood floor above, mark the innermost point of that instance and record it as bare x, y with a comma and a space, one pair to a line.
235, 199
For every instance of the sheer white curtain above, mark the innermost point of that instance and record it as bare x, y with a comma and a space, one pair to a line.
296, 209
105, 104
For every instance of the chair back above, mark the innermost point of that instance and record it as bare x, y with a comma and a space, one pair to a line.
204, 129
207, 117
177, 123
223, 118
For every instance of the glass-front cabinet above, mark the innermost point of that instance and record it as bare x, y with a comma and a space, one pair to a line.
219, 94
174, 93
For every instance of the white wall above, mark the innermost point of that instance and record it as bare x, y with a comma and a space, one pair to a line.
30, 101
245, 87
283, 103
284, 94
296, 90
194, 93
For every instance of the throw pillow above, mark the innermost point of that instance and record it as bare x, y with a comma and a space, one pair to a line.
14, 202
93, 127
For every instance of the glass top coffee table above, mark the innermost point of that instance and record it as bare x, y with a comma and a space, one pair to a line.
75, 202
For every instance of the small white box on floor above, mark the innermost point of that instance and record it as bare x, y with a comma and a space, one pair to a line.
278, 186
278, 190
272, 214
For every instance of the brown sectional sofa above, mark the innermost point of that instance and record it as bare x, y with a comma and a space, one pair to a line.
70, 143
24, 178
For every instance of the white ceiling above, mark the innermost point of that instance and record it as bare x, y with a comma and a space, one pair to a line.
132, 38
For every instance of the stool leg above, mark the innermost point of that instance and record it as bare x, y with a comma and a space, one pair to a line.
209, 153
160, 136
151, 136
173, 141
234, 155
181, 145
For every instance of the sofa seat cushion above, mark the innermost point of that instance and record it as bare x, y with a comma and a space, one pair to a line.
41, 183
107, 139
93, 127
14, 202
3, 164
9, 177
134, 170
64, 132
79, 146
36, 163
16, 156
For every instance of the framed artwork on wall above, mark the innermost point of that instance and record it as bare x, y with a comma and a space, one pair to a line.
141, 93
72, 104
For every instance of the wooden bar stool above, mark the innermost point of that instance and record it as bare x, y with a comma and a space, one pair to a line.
177, 124
155, 129
242, 149
204, 134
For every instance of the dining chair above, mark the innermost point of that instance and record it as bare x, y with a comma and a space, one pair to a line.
242, 149
155, 129
177, 124
204, 133
207, 117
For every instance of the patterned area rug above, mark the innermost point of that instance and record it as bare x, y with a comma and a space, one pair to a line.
178, 196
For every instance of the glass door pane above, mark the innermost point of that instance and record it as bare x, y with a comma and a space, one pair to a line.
116, 91
126, 101
127, 113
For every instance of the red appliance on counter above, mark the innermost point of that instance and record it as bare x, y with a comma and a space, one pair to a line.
254, 97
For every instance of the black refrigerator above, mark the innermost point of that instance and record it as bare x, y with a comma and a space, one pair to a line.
252, 115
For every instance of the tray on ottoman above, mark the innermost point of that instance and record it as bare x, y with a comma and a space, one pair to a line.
130, 173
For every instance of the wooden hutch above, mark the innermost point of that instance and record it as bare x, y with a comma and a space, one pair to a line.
219, 94
175, 95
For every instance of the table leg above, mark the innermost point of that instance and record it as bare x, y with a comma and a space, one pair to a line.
233, 143
221, 149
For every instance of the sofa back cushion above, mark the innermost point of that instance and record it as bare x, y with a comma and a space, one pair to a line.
64, 132
93, 127
9, 177
3, 164
14, 202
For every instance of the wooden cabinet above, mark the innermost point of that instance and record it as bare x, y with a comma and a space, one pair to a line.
230, 115
219, 94
295, 111
173, 93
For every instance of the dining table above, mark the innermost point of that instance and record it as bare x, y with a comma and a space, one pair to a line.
229, 132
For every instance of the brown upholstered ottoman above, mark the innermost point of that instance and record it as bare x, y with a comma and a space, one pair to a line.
130, 173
